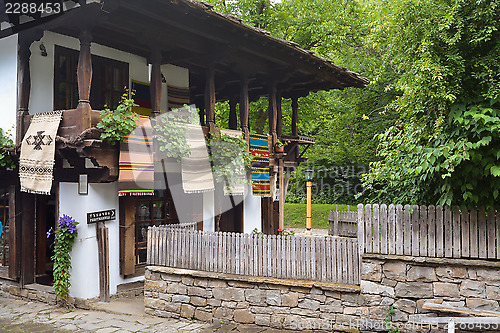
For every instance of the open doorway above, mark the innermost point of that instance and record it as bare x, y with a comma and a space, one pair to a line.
46, 216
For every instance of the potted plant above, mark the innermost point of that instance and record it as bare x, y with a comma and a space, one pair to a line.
279, 146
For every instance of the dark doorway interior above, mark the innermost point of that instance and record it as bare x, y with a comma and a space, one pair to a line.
46, 217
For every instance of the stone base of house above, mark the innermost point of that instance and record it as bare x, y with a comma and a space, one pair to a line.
392, 292
277, 303
40, 293
406, 283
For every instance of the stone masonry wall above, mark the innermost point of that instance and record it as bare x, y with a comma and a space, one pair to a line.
407, 284
289, 304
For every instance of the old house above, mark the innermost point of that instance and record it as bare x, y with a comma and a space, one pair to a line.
185, 52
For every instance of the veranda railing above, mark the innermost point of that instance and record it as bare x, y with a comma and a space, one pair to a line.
325, 259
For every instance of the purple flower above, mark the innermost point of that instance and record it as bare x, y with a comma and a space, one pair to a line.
49, 232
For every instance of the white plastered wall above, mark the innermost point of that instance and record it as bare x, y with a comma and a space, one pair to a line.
84, 257
252, 214
8, 82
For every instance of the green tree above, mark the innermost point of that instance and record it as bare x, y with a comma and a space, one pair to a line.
444, 149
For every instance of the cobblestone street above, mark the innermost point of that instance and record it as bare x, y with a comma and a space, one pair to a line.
26, 316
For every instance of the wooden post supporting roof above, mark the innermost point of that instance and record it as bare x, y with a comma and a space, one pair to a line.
23, 83
84, 77
272, 112
232, 114
244, 105
295, 115
210, 96
155, 86
279, 115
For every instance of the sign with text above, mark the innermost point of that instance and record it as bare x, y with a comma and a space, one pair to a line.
101, 216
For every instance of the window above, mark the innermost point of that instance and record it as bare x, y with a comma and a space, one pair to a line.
152, 211
109, 78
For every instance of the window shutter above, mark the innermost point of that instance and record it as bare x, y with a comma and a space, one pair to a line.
127, 236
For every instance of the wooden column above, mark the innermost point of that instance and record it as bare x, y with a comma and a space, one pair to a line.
282, 193
279, 116
273, 112
23, 84
202, 116
155, 86
210, 97
102, 234
295, 115
84, 75
14, 235
233, 121
244, 105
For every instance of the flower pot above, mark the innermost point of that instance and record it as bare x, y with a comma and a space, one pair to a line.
279, 149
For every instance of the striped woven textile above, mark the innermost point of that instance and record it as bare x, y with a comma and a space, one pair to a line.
142, 98
260, 182
177, 96
136, 176
259, 148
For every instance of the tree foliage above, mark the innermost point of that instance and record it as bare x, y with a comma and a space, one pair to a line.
444, 149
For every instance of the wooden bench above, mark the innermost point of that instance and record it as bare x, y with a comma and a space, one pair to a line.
343, 223
483, 319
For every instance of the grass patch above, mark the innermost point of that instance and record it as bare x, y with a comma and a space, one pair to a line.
295, 215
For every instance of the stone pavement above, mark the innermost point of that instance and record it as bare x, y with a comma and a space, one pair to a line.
21, 316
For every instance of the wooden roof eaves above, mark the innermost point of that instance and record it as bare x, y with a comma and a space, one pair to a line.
355, 79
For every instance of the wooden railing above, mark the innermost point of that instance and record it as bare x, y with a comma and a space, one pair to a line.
429, 231
325, 259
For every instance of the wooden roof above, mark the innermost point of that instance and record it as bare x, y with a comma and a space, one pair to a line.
191, 34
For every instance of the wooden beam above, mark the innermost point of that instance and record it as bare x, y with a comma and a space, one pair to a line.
23, 83
244, 105
272, 112
232, 114
84, 76
210, 96
281, 211
279, 116
155, 86
14, 234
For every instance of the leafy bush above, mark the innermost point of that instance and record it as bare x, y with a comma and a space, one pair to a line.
6, 141
170, 131
117, 124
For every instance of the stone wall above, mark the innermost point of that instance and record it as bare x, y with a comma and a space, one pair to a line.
401, 283
406, 283
277, 303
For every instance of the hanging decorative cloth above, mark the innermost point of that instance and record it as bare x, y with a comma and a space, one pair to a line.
238, 187
177, 96
36, 163
136, 175
196, 169
259, 148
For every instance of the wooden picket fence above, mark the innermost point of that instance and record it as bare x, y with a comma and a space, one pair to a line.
324, 259
429, 231
343, 223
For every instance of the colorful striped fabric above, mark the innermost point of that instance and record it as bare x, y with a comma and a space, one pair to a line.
136, 175
259, 148
142, 98
177, 97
